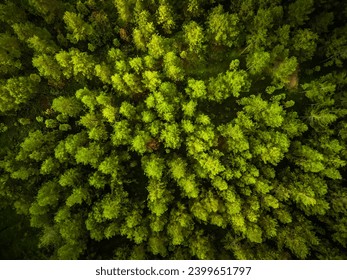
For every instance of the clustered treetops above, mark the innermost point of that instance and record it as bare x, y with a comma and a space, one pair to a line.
164, 129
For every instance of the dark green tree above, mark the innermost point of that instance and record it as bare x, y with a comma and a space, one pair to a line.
173, 129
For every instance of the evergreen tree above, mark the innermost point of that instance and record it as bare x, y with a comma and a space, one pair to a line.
173, 129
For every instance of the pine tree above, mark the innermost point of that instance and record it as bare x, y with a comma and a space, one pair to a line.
173, 129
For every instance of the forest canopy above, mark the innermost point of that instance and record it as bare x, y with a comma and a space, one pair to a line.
165, 129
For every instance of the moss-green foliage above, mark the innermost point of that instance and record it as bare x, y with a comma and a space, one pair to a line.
167, 129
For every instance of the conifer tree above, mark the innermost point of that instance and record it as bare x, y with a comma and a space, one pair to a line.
173, 129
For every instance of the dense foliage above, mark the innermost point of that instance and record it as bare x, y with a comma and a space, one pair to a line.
164, 129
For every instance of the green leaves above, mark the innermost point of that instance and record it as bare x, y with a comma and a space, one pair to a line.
67, 105
78, 196
111, 204
153, 166
305, 43
79, 29
173, 67
300, 10
285, 69
171, 137
110, 166
181, 225
189, 186
156, 46
90, 155
123, 134
151, 79
178, 168
222, 27
211, 163
202, 248
49, 166
139, 143
156, 129
165, 16
310, 159
194, 36
159, 197
196, 89
70, 178
9, 54
230, 83
258, 61
16, 91
48, 67
270, 114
